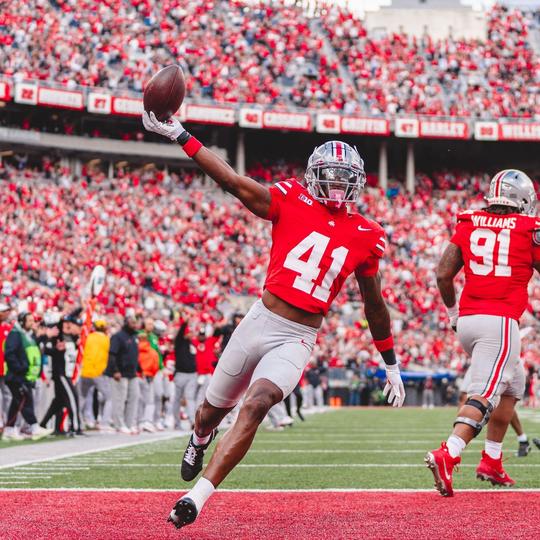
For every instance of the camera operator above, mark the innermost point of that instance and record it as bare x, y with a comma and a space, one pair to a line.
62, 347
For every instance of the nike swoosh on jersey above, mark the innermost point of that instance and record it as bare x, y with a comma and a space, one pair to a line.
360, 228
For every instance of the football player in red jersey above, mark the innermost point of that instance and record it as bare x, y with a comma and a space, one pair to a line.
316, 244
498, 248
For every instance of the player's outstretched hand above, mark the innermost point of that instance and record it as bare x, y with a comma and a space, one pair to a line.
171, 128
394, 389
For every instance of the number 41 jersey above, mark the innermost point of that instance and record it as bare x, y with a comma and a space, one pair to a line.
315, 249
498, 255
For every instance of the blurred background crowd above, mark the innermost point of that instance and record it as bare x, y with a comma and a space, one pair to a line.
184, 261
274, 54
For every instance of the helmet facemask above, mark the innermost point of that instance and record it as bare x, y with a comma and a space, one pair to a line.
335, 174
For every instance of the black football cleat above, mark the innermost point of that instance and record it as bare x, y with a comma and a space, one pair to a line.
184, 513
192, 462
524, 449
537, 443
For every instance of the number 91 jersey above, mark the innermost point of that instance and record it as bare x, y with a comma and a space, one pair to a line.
498, 255
315, 249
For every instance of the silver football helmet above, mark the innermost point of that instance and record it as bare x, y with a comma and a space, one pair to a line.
512, 187
335, 173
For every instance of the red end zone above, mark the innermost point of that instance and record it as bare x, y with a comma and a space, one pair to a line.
271, 515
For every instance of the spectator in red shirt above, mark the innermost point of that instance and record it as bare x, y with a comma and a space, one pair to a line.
205, 361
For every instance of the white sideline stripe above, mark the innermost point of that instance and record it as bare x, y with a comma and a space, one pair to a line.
92, 451
322, 490
295, 465
326, 451
315, 441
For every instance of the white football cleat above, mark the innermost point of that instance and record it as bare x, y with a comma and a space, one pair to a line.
39, 433
11, 434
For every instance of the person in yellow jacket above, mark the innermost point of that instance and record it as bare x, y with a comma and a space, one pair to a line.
94, 362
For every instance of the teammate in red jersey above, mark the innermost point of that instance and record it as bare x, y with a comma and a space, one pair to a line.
498, 248
316, 244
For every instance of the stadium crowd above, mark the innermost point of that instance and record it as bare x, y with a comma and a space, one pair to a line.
183, 262
240, 52
498, 77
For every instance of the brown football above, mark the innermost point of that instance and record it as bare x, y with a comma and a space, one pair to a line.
165, 92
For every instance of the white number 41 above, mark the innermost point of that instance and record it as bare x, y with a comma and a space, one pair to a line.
309, 270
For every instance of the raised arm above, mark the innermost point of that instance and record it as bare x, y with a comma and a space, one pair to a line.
254, 196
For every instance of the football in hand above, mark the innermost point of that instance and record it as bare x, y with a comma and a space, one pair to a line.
165, 92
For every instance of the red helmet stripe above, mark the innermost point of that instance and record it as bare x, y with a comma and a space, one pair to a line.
498, 183
339, 151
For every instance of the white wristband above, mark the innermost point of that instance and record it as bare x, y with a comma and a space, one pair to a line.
453, 312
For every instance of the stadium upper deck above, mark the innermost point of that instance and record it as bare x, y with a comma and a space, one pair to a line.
268, 54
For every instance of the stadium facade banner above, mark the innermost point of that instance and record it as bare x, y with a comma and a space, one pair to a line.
365, 126
127, 106
250, 118
208, 114
65, 99
5, 91
287, 120
519, 132
26, 93
407, 127
486, 131
328, 123
442, 129
99, 103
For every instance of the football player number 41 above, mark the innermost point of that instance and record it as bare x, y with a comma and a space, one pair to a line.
483, 244
309, 269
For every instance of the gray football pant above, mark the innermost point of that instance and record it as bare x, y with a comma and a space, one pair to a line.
103, 386
185, 387
125, 399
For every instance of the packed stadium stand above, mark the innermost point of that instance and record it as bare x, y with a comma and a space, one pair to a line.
274, 54
172, 243
168, 239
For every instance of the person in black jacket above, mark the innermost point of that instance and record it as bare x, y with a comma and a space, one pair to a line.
123, 367
227, 330
185, 376
23, 363
61, 346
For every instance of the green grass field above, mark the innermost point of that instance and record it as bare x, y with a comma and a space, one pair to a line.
345, 448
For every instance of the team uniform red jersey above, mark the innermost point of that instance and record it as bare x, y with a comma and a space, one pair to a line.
498, 254
315, 249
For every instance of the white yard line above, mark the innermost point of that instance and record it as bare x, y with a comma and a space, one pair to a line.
284, 465
315, 440
5, 483
328, 490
